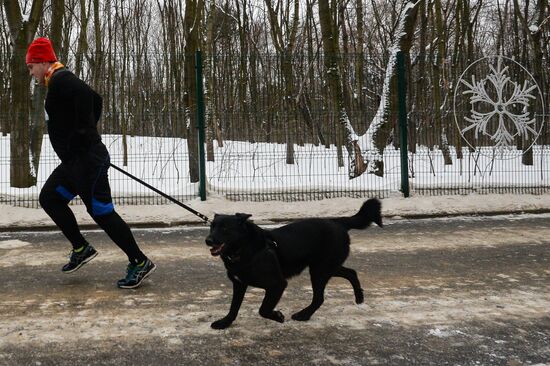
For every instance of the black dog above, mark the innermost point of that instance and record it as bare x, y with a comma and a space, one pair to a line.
266, 258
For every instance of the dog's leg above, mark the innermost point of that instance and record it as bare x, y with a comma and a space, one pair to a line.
239, 289
271, 299
350, 275
319, 281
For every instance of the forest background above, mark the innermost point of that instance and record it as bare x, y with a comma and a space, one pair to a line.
290, 72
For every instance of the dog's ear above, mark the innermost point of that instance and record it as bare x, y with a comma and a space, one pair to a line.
242, 216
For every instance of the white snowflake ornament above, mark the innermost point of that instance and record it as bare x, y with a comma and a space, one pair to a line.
500, 108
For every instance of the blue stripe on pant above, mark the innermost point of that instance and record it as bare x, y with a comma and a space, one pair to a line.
65, 192
101, 208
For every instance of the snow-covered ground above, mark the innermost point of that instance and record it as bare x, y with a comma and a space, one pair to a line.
272, 211
255, 168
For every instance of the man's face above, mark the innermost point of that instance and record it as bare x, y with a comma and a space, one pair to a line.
38, 70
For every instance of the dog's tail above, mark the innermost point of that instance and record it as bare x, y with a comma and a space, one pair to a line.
369, 213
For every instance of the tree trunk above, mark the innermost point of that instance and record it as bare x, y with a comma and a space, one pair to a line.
243, 71
534, 36
360, 54
56, 33
192, 23
97, 58
284, 43
209, 91
21, 33
437, 82
21, 175
82, 46
377, 135
458, 64
39, 91
37, 125
330, 46
5, 79
122, 57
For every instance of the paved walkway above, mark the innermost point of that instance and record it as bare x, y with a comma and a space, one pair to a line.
468, 291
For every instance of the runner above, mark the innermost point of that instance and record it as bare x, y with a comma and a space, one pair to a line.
73, 110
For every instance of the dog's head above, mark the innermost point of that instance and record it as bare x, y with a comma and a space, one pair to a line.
227, 234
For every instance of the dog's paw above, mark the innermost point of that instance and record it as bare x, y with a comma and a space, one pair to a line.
359, 296
221, 323
301, 316
273, 315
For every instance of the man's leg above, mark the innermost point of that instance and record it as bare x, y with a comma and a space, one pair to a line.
99, 204
140, 267
54, 199
119, 232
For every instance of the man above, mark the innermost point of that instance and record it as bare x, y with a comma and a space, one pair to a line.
74, 109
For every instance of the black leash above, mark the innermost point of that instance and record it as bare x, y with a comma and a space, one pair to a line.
203, 217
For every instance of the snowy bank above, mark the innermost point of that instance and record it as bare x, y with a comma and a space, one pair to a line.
17, 218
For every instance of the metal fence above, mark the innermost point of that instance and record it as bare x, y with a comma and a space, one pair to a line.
262, 147
159, 161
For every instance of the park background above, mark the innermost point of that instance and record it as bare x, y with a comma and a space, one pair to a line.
301, 99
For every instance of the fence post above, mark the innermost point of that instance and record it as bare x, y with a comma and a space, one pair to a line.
403, 133
200, 122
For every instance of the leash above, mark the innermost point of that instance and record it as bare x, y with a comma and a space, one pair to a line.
201, 216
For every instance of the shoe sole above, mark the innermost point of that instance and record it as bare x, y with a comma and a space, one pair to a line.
81, 264
144, 277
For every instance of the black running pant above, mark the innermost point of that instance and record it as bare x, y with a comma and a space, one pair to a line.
86, 176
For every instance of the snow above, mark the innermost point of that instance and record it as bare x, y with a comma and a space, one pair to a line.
436, 332
13, 244
162, 163
276, 211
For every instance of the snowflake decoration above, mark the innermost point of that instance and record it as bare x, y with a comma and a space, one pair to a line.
508, 96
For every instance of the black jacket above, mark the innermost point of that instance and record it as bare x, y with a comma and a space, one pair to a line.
73, 109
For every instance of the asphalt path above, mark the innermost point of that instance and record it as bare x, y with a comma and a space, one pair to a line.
449, 291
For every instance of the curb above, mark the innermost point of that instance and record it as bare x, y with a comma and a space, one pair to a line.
133, 225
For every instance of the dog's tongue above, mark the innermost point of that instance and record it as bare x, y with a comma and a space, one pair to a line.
216, 250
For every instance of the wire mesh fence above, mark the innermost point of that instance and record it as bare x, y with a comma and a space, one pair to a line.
269, 138
162, 162
260, 172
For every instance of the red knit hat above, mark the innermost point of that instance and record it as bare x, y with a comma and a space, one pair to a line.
40, 50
